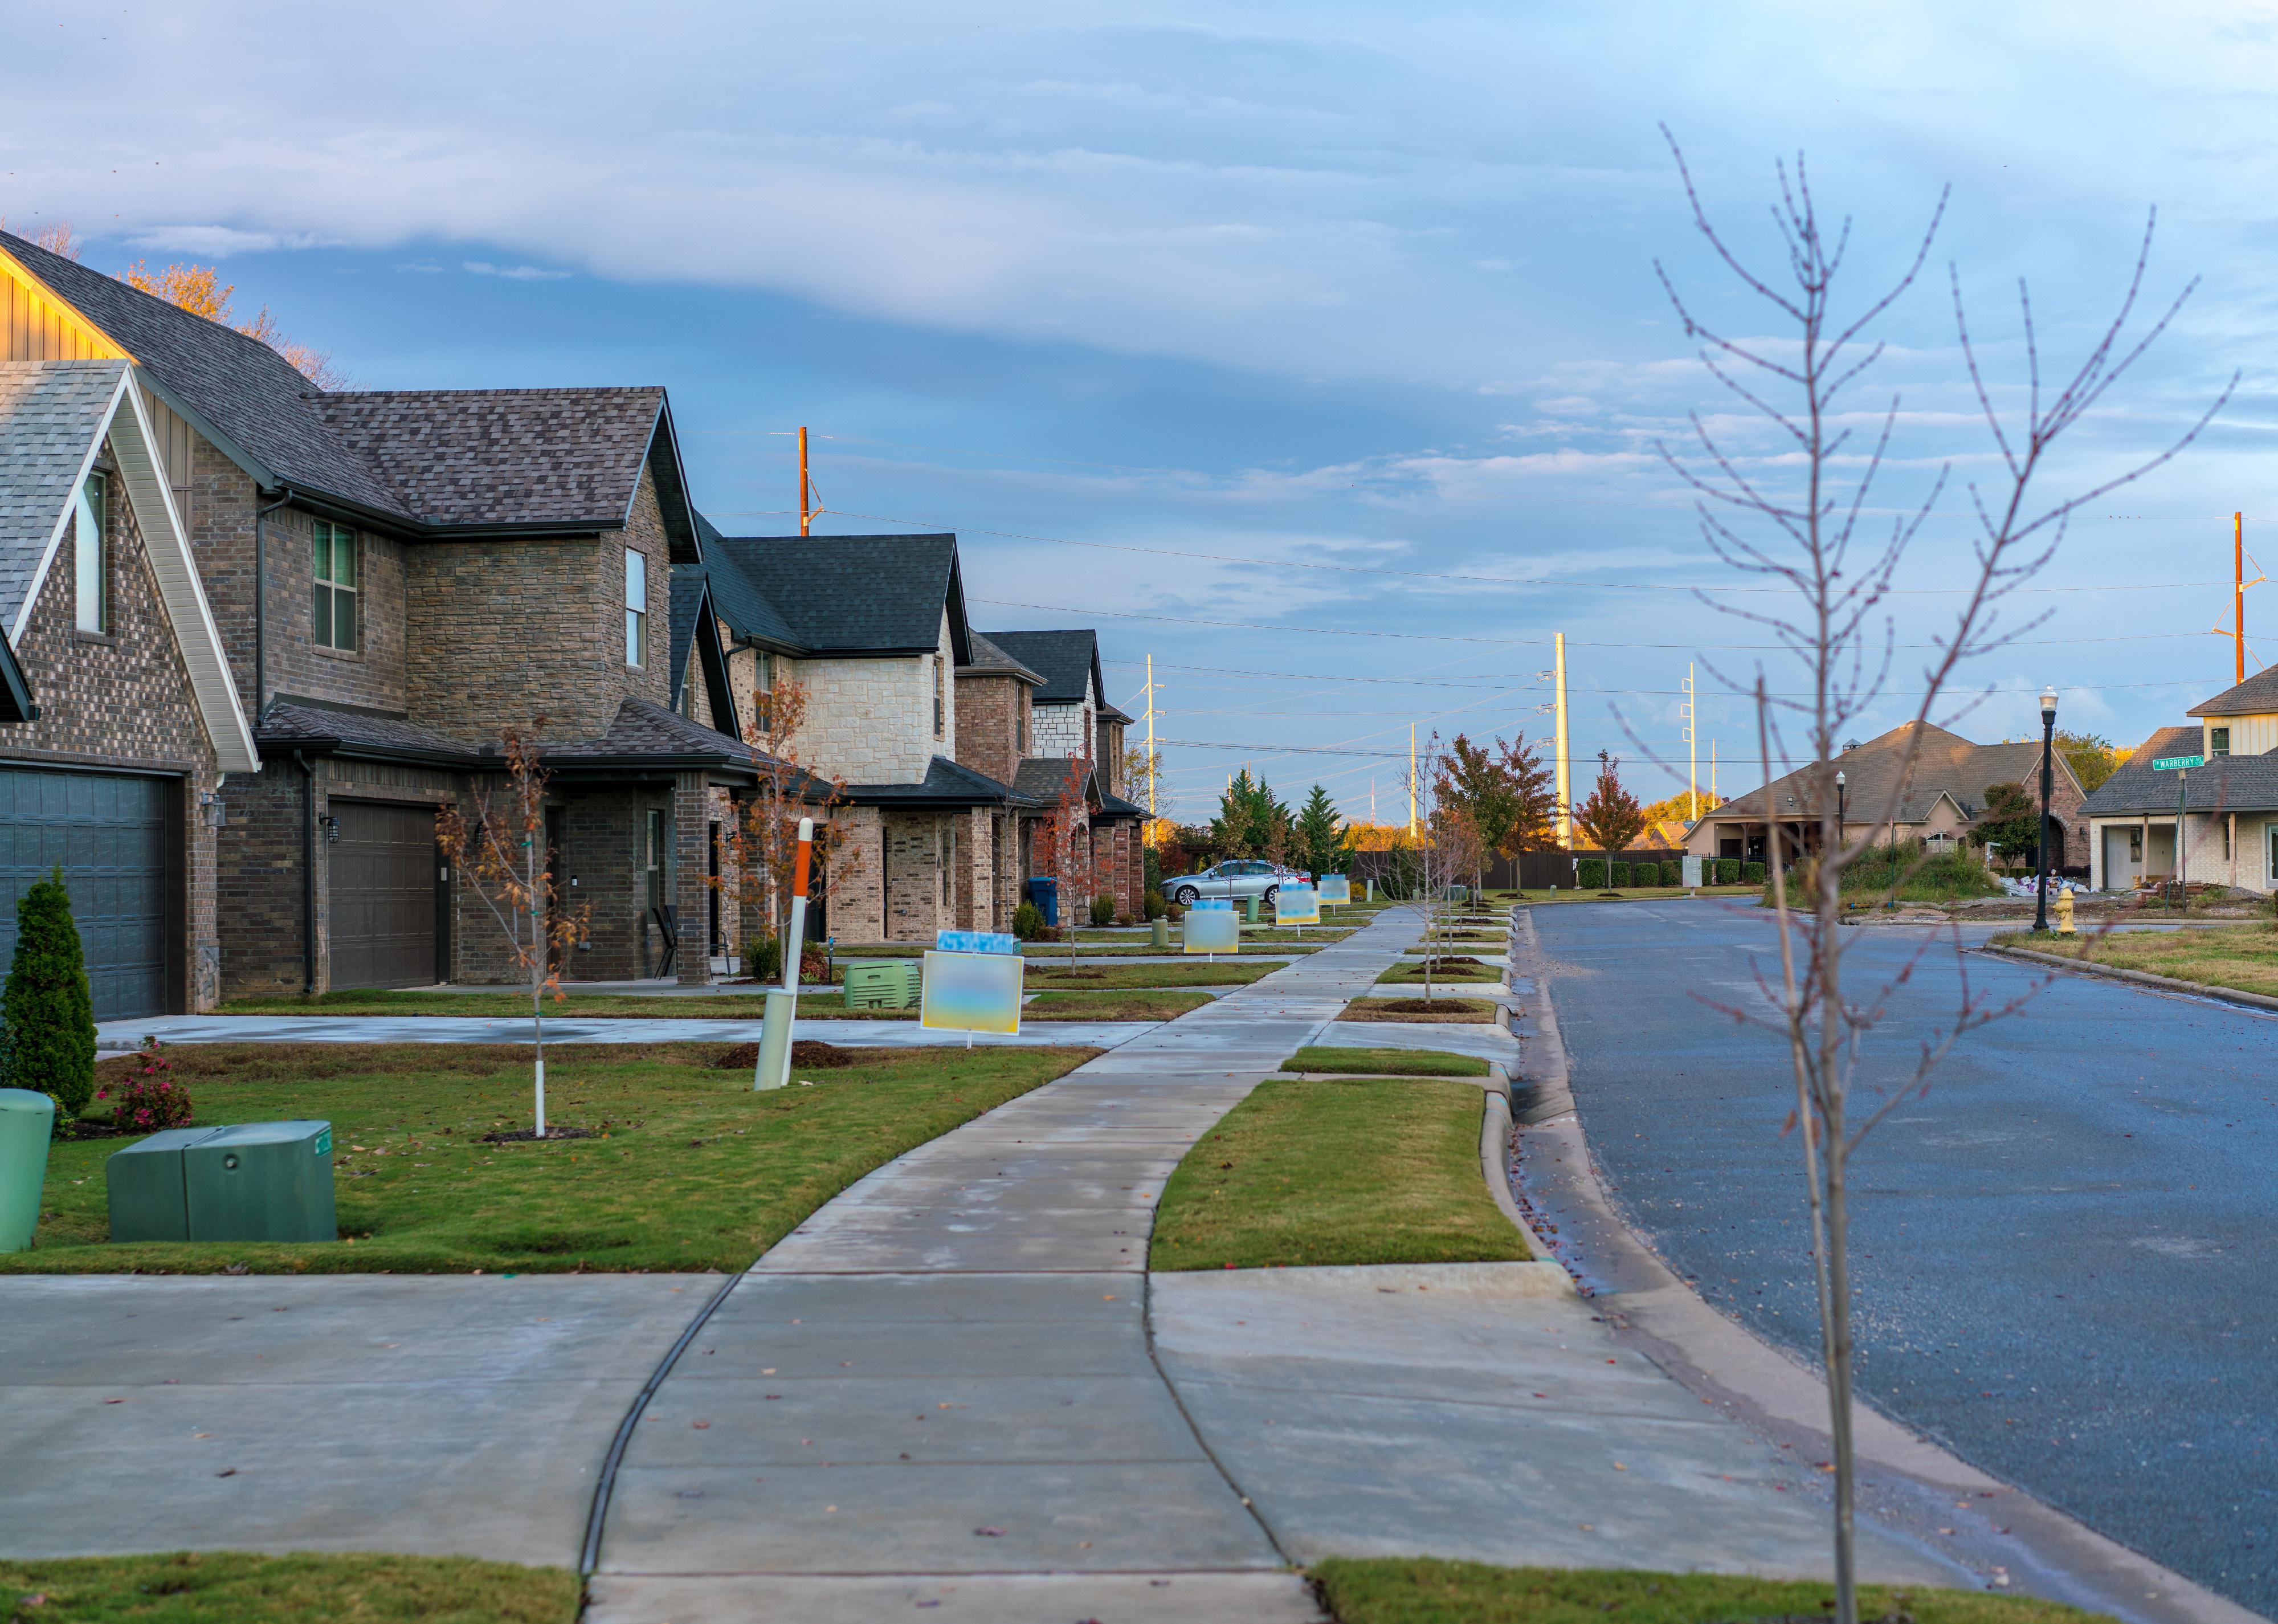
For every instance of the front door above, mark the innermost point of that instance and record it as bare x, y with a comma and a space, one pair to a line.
383, 895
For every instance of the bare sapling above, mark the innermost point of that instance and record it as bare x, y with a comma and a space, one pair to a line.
1804, 521
761, 843
1069, 838
502, 858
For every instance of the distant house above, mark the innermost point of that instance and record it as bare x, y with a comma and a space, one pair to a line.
1935, 800
2231, 819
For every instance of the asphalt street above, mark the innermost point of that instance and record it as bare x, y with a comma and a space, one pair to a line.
2060, 1253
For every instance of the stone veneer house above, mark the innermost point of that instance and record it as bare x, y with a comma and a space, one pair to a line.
117, 720
394, 577
1935, 798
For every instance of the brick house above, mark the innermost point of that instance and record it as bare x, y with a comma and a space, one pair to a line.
118, 722
395, 577
1935, 800
1072, 725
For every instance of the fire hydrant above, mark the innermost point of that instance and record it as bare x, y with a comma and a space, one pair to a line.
2064, 913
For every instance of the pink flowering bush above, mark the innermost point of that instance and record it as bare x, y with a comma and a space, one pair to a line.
148, 1098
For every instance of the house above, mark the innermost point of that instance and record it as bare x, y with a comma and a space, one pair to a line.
396, 576
118, 722
2229, 807
1934, 798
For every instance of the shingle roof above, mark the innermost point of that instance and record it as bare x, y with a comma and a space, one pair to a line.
1115, 805
2258, 693
2184, 741
567, 457
945, 782
1065, 658
2225, 784
1945, 765
290, 723
51, 414
244, 389
841, 595
990, 661
644, 728
1043, 777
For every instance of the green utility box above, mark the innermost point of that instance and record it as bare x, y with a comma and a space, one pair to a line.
249, 1182
27, 1122
884, 983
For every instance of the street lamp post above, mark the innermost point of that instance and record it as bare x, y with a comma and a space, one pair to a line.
2048, 772
1839, 813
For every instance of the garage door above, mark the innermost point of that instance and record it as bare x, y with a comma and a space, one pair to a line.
110, 836
383, 912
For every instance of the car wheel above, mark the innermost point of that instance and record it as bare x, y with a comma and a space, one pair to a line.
1272, 892
1186, 896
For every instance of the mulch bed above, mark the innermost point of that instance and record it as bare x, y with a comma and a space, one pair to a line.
805, 1052
1466, 1012
554, 1130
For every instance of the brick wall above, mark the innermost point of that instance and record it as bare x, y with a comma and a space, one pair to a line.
857, 905
988, 711
920, 863
499, 632
124, 700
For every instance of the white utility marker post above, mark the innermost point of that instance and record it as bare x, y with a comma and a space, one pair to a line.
774, 1068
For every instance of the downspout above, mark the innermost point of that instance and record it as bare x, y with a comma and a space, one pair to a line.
261, 610
307, 873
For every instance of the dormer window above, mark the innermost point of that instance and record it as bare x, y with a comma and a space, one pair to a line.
635, 608
91, 557
2218, 741
338, 582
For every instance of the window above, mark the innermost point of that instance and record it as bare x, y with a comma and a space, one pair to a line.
763, 690
635, 608
91, 556
2218, 741
337, 584
1021, 724
940, 696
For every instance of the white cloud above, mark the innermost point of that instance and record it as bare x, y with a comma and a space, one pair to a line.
222, 242
513, 274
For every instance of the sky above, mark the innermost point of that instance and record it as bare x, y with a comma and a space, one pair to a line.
1318, 352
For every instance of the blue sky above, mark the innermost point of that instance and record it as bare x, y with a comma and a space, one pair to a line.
1315, 350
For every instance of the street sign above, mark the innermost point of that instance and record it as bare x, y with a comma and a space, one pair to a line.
2168, 763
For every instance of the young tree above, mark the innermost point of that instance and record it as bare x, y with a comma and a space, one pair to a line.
2011, 822
199, 289
55, 236
46, 1015
501, 857
1806, 510
761, 844
1068, 831
1611, 816
1474, 783
1534, 793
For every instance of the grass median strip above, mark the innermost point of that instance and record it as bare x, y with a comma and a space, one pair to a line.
1389, 1062
1362, 1171
1428, 1590
1084, 1000
1111, 977
1111, 1005
233, 1587
1457, 1011
688, 1168
2244, 958
1443, 970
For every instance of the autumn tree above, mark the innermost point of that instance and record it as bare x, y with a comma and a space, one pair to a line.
1534, 795
2091, 757
500, 856
1067, 832
55, 236
1611, 817
200, 290
1473, 784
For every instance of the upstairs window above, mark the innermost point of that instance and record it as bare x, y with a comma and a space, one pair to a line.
940, 696
1020, 725
91, 556
2218, 741
635, 608
337, 586
763, 690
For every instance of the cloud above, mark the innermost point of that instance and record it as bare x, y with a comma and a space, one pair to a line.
223, 241
513, 274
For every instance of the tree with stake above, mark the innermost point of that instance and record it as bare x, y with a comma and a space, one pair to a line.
1474, 782
1799, 519
1068, 828
762, 843
501, 857
1611, 816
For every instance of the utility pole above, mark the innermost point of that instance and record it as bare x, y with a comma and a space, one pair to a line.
1692, 746
2236, 634
809, 509
1565, 787
1150, 736
1411, 780
1714, 800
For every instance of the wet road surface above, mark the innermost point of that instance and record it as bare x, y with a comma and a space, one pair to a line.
2061, 1255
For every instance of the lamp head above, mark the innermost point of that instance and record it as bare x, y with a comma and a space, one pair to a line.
2048, 704
1839, 780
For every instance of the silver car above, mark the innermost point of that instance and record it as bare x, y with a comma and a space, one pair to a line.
1234, 879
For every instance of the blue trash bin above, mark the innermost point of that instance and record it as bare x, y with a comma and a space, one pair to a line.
1044, 892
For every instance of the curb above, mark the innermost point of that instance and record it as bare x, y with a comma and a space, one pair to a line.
2145, 978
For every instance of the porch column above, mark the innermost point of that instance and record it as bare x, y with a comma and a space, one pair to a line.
692, 895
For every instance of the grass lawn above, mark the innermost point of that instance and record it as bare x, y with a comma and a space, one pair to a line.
1406, 973
1394, 1062
689, 1169
1426, 1590
1111, 1005
233, 1587
2242, 957
1346, 1172
1126, 948
1199, 973
1637, 894
1464, 1011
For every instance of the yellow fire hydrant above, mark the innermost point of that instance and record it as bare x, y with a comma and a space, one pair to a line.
2064, 913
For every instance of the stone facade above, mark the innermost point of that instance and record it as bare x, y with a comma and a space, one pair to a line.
124, 700
498, 631
1065, 728
875, 720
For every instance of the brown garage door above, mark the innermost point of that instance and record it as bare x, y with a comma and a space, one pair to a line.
383, 918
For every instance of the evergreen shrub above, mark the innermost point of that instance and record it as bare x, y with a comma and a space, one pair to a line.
1617, 875
1027, 922
1590, 874
1728, 870
1752, 873
48, 1010
1672, 872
